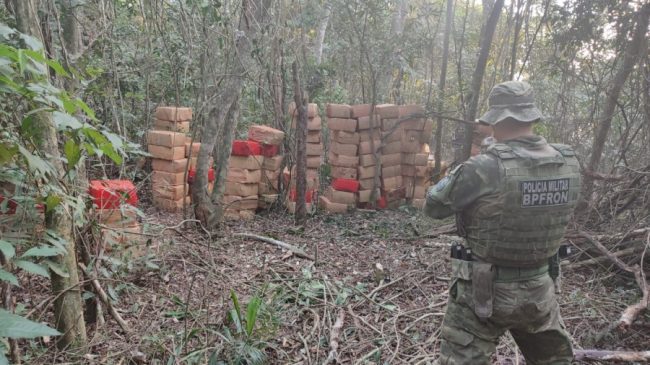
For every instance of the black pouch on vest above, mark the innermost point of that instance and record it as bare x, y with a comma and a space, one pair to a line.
483, 289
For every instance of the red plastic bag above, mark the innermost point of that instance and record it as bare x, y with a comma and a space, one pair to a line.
110, 194
348, 185
246, 148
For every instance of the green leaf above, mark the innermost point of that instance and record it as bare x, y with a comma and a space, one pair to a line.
7, 249
63, 121
235, 303
72, 153
43, 251
8, 277
57, 67
252, 309
83, 106
56, 268
51, 202
14, 326
34, 162
7, 152
32, 268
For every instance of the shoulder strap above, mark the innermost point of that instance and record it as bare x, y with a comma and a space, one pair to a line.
565, 150
502, 151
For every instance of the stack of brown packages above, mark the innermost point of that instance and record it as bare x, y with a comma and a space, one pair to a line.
393, 191
242, 182
416, 134
343, 158
271, 141
121, 227
369, 142
166, 144
314, 150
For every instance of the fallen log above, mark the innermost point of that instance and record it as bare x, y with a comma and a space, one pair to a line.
293, 249
335, 333
606, 355
600, 259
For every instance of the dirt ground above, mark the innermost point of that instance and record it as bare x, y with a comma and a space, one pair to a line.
382, 275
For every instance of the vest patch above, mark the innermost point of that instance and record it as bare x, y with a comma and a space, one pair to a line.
542, 193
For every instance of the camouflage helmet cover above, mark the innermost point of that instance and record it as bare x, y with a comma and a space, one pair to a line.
512, 99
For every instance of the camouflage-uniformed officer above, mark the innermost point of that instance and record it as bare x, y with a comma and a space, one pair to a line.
513, 203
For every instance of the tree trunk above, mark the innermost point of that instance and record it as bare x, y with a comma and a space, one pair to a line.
632, 51
301, 148
477, 78
322, 28
441, 85
68, 308
222, 118
515, 38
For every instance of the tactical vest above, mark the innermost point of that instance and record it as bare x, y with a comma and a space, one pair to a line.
523, 223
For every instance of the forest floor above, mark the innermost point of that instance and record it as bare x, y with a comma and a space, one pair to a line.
176, 299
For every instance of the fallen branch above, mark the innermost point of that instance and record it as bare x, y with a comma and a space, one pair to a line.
335, 333
631, 312
600, 259
605, 355
293, 249
104, 298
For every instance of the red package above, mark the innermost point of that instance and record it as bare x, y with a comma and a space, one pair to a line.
269, 150
348, 185
246, 148
382, 203
309, 195
192, 172
110, 194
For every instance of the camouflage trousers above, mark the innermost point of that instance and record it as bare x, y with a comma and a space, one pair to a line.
528, 309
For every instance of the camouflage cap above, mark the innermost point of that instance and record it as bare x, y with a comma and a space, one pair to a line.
512, 99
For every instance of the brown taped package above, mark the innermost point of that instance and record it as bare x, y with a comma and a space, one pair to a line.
173, 114
240, 202
166, 138
366, 172
340, 124
344, 149
391, 171
164, 125
167, 153
314, 149
169, 178
345, 137
246, 162
172, 192
365, 148
265, 134
243, 175
343, 160
169, 205
313, 136
272, 163
174, 166
332, 207
341, 197
241, 189
344, 172
387, 110
391, 160
367, 160
338, 110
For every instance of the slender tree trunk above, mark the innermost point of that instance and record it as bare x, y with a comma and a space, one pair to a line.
477, 77
633, 49
442, 83
68, 308
322, 28
223, 116
515, 38
301, 148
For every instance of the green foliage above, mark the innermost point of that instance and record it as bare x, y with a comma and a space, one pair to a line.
14, 326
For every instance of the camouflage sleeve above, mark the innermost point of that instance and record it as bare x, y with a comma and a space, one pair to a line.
477, 177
